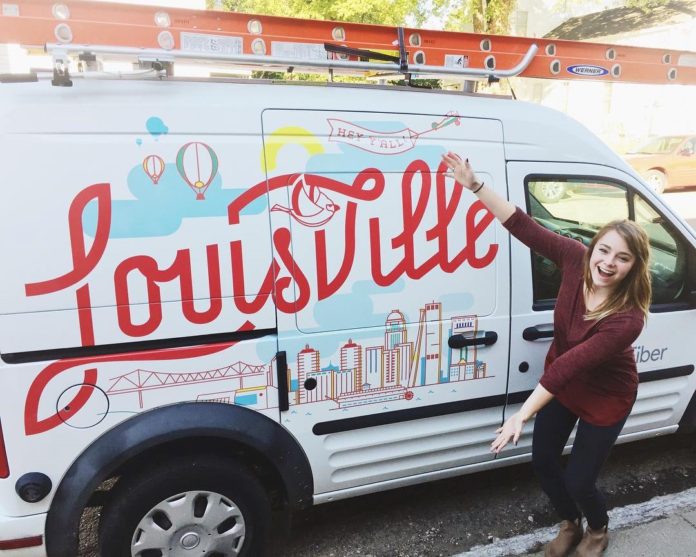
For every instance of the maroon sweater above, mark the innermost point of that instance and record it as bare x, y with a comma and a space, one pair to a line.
590, 367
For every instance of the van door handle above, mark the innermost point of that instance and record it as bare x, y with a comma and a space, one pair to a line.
461, 341
537, 332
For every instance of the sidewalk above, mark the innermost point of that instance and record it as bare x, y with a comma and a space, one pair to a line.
662, 527
668, 537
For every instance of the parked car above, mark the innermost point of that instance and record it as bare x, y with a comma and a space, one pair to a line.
553, 191
666, 162
550, 192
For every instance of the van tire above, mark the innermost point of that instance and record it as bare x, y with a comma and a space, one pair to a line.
550, 192
656, 179
148, 499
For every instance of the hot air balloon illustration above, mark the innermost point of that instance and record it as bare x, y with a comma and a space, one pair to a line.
197, 164
153, 167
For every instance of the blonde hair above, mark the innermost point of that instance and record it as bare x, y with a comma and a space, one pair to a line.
635, 290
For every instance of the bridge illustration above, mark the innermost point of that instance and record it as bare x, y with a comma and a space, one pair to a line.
141, 380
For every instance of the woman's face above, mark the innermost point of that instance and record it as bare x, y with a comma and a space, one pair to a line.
611, 260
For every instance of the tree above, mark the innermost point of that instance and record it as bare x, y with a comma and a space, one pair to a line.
386, 12
487, 16
645, 5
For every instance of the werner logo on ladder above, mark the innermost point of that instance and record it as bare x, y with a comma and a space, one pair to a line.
227, 297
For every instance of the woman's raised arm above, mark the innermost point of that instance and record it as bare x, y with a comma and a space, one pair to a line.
501, 208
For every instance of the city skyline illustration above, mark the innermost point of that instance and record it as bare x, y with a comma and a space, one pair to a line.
369, 374
388, 372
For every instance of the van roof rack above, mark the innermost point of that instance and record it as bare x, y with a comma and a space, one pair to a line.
158, 37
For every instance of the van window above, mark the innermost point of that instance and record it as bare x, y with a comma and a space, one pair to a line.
667, 253
577, 208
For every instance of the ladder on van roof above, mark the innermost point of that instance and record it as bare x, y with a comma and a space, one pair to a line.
162, 36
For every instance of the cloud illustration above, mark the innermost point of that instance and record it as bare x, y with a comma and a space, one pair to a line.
155, 126
338, 318
159, 209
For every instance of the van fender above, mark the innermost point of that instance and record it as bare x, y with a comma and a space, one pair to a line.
167, 424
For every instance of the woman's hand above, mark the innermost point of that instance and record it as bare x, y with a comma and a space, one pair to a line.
461, 170
512, 429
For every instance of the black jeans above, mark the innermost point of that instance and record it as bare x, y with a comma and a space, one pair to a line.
573, 491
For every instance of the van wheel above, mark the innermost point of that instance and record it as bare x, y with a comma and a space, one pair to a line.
195, 506
550, 192
656, 179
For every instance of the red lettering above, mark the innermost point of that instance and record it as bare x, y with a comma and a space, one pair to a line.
147, 267
474, 230
179, 269
83, 261
445, 213
326, 287
214, 289
284, 279
412, 217
238, 283
281, 241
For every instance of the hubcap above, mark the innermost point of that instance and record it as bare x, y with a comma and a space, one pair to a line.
194, 522
552, 191
655, 181
190, 540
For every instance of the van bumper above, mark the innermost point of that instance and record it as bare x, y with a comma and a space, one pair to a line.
23, 530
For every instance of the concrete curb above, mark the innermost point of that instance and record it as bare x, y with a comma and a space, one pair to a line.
623, 518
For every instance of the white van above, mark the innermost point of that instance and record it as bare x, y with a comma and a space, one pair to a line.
222, 298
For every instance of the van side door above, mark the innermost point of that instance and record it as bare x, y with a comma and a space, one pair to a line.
384, 261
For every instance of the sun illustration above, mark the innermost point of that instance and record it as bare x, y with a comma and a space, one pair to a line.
289, 135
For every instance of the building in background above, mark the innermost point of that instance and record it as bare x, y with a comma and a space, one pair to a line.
536, 18
622, 114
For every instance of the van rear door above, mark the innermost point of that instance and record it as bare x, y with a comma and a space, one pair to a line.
384, 261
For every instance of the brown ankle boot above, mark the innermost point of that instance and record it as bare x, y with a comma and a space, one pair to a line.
593, 543
569, 535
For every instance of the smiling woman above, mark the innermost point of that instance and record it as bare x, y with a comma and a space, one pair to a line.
601, 308
610, 262
616, 271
